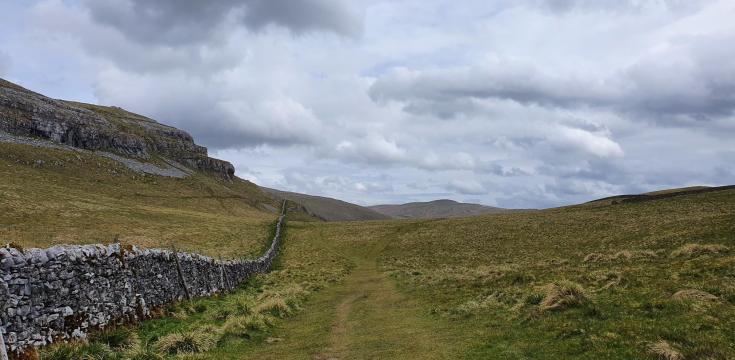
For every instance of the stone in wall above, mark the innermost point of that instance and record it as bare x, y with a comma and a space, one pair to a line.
63, 292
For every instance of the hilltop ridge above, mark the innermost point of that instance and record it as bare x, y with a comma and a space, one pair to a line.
442, 208
328, 209
101, 128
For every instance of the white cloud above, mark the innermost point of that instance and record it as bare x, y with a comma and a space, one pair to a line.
466, 187
596, 144
518, 103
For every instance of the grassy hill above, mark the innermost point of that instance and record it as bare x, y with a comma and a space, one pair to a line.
435, 209
648, 276
55, 196
74, 173
639, 280
329, 209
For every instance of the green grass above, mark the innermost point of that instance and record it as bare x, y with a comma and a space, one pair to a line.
631, 280
59, 196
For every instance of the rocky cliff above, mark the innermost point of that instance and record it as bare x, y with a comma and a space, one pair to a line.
92, 127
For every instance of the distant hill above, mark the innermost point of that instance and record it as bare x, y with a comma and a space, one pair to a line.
329, 209
436, 209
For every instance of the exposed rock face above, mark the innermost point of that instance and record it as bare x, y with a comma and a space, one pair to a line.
91, 127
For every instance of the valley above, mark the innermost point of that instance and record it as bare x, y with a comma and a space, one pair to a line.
636, 276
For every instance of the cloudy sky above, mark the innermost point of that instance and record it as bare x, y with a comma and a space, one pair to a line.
512, 103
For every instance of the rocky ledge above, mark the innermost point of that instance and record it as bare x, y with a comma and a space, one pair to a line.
93, 127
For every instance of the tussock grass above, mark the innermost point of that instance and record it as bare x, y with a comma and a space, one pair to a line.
120, 339
562, 295
694, 295
623, 255
189, 342
80, 351
663, 350
475, 307
694, 250
245, 326
276, 306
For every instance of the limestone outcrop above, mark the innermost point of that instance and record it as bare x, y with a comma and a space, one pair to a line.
92, 127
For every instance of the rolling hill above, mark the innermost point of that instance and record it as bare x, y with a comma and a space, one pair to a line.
436, 209
329, 209
79, 173
645, 276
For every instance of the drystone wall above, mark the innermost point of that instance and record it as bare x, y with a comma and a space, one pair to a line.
61, 293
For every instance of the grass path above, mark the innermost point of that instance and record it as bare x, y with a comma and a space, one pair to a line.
363, 317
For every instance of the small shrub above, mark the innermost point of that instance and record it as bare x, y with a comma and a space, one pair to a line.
561, 295
190, 342
695, 250
665, 351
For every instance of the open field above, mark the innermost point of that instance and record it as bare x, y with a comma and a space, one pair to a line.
643, 280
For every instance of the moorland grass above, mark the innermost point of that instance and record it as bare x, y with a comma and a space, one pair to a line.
66, 197
642, 280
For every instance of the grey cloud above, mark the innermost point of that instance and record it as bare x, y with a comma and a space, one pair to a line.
217, 119
692, 81
564, 6
180, 22
304, 15
466, 187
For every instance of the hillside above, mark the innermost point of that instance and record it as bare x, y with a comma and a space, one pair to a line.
435, 209
78, 173
660, 194
612, 282
646, 276
624, 281
329, 209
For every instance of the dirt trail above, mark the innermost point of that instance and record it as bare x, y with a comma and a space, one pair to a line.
363, 317
374, 321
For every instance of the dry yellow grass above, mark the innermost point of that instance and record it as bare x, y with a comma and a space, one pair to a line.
243, 326
665, 351
189, 342
694, 250
694, 295
275, 306
561, 295
623, 255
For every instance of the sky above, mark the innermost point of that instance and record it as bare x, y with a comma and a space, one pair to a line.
510, 103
